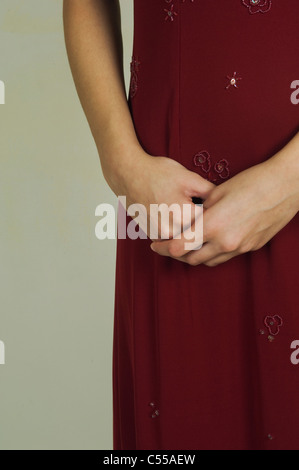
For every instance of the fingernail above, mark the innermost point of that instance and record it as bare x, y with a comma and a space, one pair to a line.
152, 247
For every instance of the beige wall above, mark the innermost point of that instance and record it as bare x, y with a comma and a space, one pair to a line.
57, 279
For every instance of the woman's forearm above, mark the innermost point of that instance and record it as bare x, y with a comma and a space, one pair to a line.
94, 46
286, 163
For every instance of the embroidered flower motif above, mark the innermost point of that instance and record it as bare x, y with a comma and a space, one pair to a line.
273, 323
170, 13
222, 168
203, 160
233, 80
257, 6
154, 410
215, 174
134, 67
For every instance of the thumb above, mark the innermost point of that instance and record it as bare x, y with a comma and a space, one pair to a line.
199, 187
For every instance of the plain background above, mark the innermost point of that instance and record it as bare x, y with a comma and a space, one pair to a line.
57, 278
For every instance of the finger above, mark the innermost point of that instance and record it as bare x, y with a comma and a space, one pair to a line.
175, 248
162, 248
205, 253
220, 259
169, 221
199, 186
208, 255
189, 239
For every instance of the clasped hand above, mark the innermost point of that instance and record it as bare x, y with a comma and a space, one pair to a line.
240, 215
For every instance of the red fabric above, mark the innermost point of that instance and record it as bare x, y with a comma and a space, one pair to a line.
196, 341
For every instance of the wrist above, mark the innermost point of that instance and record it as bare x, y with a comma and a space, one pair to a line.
123, 166
285, 165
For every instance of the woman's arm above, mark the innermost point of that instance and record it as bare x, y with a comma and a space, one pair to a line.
94, 45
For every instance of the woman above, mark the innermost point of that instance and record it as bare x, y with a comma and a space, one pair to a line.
202, 338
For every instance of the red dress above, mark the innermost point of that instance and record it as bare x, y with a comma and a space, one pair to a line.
202, 356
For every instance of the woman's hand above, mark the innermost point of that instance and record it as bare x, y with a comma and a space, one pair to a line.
153, 180
241, 215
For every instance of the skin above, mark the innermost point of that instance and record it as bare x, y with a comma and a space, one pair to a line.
94, 45
241, 215
245, 212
